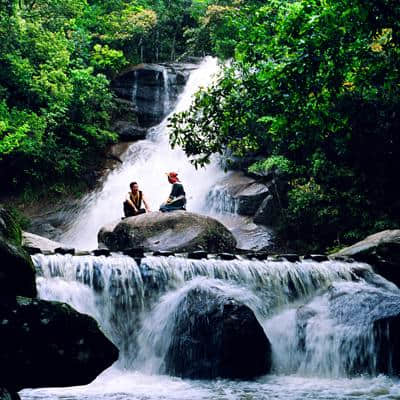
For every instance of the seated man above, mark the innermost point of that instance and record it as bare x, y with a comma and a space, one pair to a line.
177, 197
133, 202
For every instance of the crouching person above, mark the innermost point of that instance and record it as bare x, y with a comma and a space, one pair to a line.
134, 201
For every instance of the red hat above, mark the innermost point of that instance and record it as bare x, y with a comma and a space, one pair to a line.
173, 176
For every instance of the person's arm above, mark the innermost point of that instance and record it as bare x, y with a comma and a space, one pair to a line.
146, 206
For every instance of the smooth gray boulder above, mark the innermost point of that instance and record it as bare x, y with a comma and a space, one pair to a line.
33, 241
46, 344
381, 250
239, 194
216, 336
177, 231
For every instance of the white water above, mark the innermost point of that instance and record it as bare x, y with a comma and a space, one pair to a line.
123, 295
146, 162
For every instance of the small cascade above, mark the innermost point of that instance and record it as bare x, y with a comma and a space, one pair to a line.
135, 303
134, 87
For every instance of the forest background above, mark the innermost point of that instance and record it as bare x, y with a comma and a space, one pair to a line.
311, 88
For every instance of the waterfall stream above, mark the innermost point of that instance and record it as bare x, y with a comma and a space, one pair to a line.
136, 304
317, 316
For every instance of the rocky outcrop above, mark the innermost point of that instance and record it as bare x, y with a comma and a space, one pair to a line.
177, 231
49, 344
153, 90
381, 251
216, 336
17, 273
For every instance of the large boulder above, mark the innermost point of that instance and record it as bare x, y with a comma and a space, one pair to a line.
354, 328
17, 273
238, 193
381, 250
49, 344
216, 336
177, 231
153, 90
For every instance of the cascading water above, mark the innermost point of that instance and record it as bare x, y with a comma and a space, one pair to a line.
136, 303
146, 162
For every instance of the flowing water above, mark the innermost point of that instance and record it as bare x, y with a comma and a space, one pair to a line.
136, 305
329, 354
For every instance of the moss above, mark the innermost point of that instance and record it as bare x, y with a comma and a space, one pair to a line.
10, 230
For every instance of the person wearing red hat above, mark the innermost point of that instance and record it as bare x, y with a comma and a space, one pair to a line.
177, 197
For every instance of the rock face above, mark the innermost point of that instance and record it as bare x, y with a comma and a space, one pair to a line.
49, 344
177, 231
216, 336
382, 251
153, 90
17, 273
6, 395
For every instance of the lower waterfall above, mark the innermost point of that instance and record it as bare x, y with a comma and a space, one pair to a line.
317, 316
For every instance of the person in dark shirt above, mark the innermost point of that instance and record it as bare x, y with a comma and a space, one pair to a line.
177, 197
133, 202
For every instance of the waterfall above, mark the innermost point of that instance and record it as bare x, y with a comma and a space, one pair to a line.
136, 303
146, 162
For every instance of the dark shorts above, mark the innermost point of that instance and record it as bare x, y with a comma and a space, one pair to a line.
130, 212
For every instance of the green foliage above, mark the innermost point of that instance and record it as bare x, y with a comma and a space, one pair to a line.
315, 83
271, 163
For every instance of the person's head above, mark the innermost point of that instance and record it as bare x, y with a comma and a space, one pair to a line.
172, 177
134, 187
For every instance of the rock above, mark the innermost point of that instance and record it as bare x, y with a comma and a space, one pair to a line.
47, 344
198, 255
238, 193
153, 89
359, 326
216, 336
226, 256
381, 251
64, 250
17, 273
30, 240
291, 257
101, 252
316, 257
177, 231
129, 132
135, 252
268, 212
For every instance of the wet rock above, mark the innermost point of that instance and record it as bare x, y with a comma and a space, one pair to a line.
177, 231
17, 273
316, 257
153, 90
129, 132
101, 252
240, 194
197, 255
135, 252
381, 251
268, 212
47, 344
291, 257
64, 250
216, 336
226, 256
159, 253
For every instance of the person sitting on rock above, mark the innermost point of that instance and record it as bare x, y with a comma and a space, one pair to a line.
177, 198
133, 202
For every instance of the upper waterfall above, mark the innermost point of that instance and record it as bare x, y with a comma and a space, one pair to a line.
146, 162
